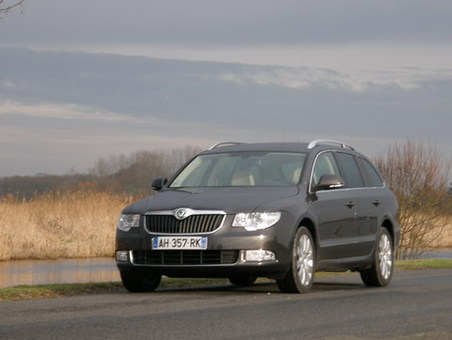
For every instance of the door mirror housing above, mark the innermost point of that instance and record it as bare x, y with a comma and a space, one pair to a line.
329, 182
158, 183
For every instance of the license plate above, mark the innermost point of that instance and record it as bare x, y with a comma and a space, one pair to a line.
179, 242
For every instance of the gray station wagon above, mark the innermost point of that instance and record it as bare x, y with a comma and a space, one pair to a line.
276, 210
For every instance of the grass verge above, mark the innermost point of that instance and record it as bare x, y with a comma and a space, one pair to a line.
424, 264
64, 290
75, 289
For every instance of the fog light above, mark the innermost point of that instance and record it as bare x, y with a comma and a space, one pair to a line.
122, 256
259, 255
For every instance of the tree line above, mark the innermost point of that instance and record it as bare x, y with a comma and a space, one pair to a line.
130, 174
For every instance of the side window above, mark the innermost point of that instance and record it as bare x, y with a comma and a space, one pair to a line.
350, 171
325, 164
371, 176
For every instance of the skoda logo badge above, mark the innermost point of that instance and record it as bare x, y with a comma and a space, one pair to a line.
180, 213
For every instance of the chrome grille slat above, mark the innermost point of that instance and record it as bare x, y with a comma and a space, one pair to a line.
194, 224
203, 223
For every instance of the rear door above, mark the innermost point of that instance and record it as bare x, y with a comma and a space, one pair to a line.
365, 200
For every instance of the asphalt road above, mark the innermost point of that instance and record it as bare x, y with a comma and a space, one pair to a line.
417, 304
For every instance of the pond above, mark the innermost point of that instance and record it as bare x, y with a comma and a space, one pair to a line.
35, 272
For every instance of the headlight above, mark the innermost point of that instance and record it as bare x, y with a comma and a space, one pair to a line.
128, 221
256, 220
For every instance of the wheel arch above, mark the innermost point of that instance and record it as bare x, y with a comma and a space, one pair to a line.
390, 227
309, 224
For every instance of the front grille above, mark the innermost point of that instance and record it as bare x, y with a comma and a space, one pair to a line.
168, 224
184, 257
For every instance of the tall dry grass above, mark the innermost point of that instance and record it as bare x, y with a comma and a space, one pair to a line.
445, 238
81, 224
60, 225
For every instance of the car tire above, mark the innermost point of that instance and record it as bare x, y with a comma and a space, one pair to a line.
380, 274
242, 280
139, 282
300, 277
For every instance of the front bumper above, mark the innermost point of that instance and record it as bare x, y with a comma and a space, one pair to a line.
230, 251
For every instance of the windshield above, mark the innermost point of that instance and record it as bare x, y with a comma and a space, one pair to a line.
242, 169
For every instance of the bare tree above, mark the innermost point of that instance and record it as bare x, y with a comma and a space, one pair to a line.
418, 177
133, 173
7, 5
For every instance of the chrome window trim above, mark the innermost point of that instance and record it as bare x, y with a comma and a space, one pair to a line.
312, 171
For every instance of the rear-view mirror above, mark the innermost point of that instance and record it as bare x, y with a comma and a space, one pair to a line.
329, 182
158, 183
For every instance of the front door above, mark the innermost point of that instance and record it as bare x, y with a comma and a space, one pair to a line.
335, 210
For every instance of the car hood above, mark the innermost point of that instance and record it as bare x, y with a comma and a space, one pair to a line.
229, 200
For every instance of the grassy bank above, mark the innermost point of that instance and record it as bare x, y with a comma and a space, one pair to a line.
62, 290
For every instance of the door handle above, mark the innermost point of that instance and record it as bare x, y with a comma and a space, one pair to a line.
350, 204
376, 203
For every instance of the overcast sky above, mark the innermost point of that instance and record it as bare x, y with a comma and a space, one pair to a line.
80, 80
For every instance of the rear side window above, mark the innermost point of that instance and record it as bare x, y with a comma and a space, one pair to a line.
371, 176
349, 170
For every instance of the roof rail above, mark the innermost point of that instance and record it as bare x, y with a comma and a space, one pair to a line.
316, 142
223, 144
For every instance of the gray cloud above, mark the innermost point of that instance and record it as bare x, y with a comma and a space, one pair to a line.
75, 107
367, 72
231, 22
210, 92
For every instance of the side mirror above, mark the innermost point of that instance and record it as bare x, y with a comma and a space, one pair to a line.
328, 182
158, 183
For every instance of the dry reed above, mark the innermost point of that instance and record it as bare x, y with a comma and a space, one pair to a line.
60, 225
445, 238
80, 224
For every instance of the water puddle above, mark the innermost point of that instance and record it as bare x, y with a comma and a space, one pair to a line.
35, 272
437, 254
